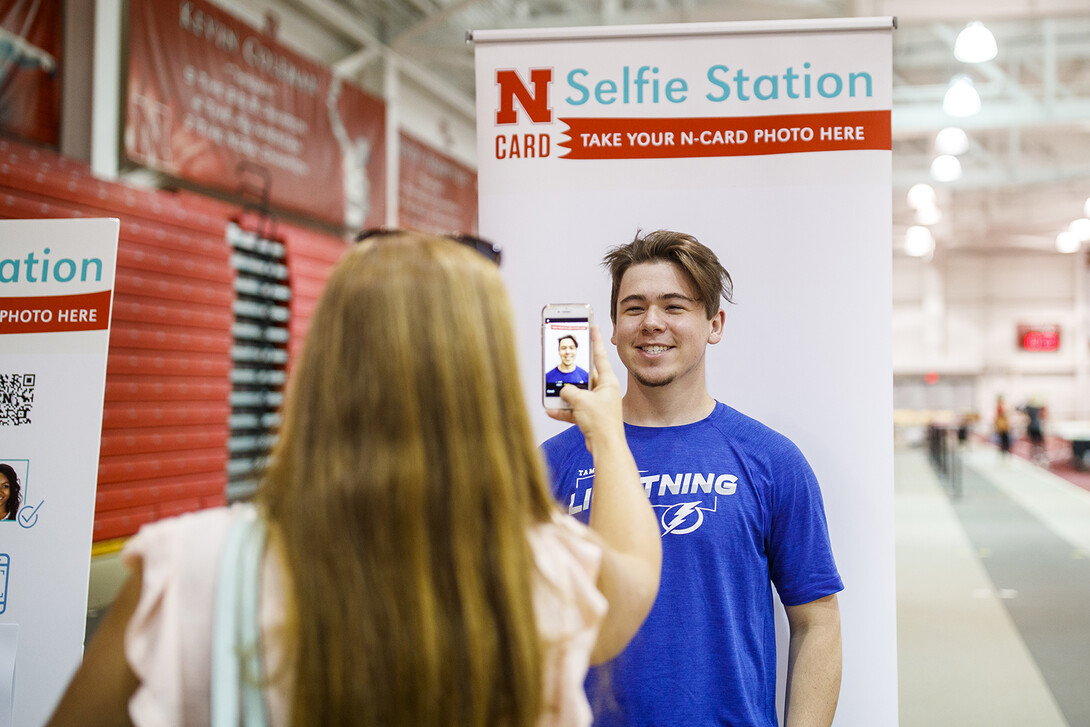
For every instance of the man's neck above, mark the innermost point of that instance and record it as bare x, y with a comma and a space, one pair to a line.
566, 370
665, 406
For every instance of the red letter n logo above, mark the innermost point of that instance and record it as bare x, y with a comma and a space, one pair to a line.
536, 104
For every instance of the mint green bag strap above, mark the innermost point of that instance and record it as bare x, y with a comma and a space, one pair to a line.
237, 673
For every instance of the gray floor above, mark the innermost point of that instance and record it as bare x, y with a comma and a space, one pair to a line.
993, 595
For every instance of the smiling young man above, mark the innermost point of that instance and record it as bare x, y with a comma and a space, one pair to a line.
567, 372
739, 509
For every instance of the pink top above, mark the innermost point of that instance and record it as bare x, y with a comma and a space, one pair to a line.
168, 639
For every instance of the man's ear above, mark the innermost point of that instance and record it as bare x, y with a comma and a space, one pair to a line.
717, 321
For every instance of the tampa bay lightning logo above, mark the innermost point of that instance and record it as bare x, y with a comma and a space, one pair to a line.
682, 518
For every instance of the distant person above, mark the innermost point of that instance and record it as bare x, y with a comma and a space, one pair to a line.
1002, 426
10, 492
740, 511
1034, 410
567, 372
965, 426
417, 571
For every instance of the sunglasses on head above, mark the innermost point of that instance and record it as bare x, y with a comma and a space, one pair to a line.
484, 247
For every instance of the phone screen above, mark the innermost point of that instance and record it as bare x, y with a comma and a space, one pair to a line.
565, 341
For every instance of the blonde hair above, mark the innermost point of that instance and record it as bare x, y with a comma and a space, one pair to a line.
401, 491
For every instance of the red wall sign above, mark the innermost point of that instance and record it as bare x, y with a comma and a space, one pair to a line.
215, 102
435, 193
1039, 338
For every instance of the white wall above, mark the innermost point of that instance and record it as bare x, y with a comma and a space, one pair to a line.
960, 315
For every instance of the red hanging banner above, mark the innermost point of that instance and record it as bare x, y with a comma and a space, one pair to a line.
435, 193
215, 102
30, 85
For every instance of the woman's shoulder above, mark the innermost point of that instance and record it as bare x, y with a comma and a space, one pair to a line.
568, 557
562, 537
191, 537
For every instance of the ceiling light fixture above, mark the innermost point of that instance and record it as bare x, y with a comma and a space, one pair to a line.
975, 44
921, 195
1080, 228
946, 168
919, 242
961, 98
1067, 241
952, 140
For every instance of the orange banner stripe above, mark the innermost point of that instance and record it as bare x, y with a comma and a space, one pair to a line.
673, 138
55, 313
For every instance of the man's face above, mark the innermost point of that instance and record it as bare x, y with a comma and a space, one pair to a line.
662, 327
567, 353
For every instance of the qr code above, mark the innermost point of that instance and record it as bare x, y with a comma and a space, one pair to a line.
16, 399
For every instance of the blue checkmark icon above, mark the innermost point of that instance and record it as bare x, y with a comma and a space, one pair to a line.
28, 516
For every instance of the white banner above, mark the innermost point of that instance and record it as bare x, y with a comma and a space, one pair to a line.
56, 292
770, 143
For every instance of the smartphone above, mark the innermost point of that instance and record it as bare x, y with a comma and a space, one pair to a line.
565, 350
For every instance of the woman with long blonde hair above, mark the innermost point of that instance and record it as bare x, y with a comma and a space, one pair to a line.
411, 567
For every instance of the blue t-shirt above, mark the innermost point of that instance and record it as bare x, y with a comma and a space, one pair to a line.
739, 510
575, 376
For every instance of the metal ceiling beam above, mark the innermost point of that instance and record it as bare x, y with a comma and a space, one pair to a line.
423, 6
965, 10
982, 180
448, 57
352, 64
432, 21
916, 119
342, 20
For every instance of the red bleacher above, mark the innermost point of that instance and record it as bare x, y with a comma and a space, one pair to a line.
310, 256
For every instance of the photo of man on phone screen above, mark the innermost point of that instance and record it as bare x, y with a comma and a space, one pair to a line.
567, 372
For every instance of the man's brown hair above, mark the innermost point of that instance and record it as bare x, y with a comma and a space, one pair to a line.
711, 279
